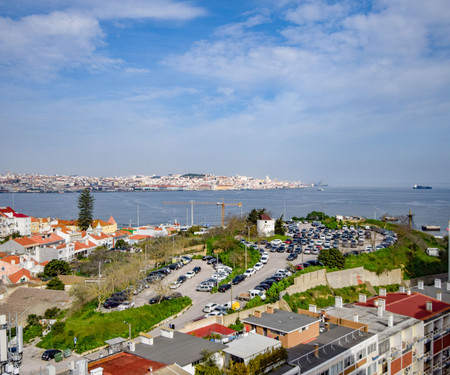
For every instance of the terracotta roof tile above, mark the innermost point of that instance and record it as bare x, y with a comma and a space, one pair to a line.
15, 277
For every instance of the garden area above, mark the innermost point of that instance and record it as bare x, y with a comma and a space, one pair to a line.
92, 328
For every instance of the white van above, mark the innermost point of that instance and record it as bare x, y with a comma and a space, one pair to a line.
204, 288
256, 292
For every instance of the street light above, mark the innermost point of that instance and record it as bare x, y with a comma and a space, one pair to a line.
129, 329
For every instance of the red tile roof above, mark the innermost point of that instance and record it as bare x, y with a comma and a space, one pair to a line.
139, 237
11, 258
213, 328
15, 277
265, 217
111, 220
413, 305
7, 210
25, 241
125, 363
44, 239
20, 215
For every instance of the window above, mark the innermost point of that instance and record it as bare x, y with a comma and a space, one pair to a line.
348, 361
3, 268
372, 369
384, 347
372, 348
360, 354
324, 372
336, 369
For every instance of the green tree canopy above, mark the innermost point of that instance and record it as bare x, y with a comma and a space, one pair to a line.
279, 228
56, 267
86, 209
316, 215
254, 215
332, 258
55, 284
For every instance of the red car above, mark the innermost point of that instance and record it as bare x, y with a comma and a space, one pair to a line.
288, 241
299, 267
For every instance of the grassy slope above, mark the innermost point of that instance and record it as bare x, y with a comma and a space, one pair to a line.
92, 328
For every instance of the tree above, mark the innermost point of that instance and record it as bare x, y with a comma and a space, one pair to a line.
86, 209
279, 228
332, 258
254, 215
121, 243
55, 284
56, 267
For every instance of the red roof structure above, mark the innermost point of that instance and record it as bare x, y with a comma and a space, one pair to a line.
22, 273
125, 363
265, 217
413, 305
212, 328
25, 242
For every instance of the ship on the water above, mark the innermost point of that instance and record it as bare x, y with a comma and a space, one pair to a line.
421, 187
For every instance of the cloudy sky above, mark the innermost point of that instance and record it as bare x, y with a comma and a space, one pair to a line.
348, 92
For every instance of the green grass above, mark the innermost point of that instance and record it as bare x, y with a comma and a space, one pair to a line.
322, 296
93, 328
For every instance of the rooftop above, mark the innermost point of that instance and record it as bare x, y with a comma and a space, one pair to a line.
333, 342
376, 324
211, 329
280, 320
125, 363
182, 349
251, 345
413, 305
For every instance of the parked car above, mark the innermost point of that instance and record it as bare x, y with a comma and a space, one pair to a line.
155, 299
50, 354
190, 274
170, 296
111, 303
224, 287
238, 279
197, 269
264, 259
204, 288
249, 272
125, 305
258, 266
210, 307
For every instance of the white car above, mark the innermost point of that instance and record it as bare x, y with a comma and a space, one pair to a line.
249, 272
214, 313
125, 306
175, 285
190, 274
264, 259
258, 266
276, 242
210, 307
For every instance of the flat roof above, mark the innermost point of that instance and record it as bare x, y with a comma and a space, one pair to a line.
376, 324
282, 321
251, 345
431, 291
182, 349
337, 340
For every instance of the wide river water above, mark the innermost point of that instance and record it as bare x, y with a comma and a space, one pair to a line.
429, 207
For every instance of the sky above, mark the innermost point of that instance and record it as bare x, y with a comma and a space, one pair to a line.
346, 92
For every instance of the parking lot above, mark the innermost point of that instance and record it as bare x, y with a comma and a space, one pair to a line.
314, 238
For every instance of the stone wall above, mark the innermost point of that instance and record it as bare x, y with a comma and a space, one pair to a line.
344, 278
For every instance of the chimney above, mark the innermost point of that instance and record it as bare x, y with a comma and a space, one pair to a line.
146, 338
439, 296
316, 350
408, 291
437, 283
269, 310
382, 303
380, 311
448, 286
338, 301
362, 298
401, 289
420, 285
355, 318
313, 308
97, 371
167, 332
429, 306
382, 292
257, 314
131, 346
391, 320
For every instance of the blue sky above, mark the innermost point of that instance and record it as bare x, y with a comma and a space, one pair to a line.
348, 92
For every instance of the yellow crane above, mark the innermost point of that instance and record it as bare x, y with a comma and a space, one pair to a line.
222, 204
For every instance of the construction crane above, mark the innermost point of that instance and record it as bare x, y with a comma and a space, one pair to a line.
222, 204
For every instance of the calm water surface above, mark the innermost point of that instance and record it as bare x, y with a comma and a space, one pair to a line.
430, 207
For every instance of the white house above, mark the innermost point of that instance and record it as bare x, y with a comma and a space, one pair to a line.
265, 226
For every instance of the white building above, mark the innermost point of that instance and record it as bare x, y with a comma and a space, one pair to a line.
265, 226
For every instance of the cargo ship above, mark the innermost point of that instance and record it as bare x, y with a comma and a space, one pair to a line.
421, 187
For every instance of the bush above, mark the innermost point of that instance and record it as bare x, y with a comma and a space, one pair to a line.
332, 258
55, 284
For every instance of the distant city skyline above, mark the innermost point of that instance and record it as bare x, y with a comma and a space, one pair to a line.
352, 93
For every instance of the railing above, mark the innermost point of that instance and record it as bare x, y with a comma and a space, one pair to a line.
329, 346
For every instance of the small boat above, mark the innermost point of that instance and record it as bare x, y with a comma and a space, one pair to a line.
421, 187
320, 189
431, 227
